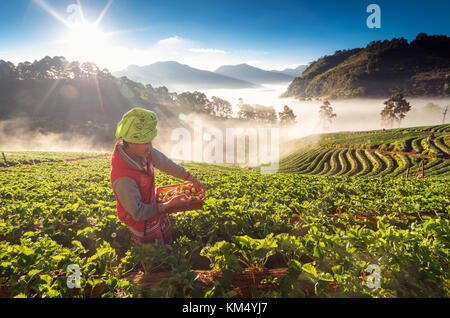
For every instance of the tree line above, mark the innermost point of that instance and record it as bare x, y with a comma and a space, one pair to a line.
394, 111
58, 67
221, 108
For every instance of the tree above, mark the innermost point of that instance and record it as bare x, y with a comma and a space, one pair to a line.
287, 116
432, 113
326, 114
196, 101
7, 69
75, 70
246, 111
105, 74
265, 114
89, 69
395, 110
444, 113
221, 108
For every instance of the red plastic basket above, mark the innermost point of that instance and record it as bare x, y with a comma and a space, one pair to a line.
190, 205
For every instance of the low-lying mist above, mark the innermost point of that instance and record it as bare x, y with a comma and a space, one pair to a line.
16, 135
352, 114
196, 137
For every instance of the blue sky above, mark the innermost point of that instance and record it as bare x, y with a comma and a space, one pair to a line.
206, 34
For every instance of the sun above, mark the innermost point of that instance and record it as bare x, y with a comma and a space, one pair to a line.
83, 40
85, 36
86, 42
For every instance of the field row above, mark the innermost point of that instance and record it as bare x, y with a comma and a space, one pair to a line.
13, 158
401, 139
362, 162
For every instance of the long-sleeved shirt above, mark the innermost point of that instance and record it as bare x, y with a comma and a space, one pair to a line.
128, 192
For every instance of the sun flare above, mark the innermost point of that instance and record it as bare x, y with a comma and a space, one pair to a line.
87, 41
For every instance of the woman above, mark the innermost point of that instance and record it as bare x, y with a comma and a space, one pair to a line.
133, 181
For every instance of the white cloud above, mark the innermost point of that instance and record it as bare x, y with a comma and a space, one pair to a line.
208, 51
175, 48
174, 39
178, 49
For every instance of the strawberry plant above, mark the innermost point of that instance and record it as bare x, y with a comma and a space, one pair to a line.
327, 230
255, 252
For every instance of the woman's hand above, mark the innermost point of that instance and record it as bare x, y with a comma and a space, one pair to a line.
174, 203
197, 183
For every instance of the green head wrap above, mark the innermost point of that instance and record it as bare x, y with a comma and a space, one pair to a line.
137, 126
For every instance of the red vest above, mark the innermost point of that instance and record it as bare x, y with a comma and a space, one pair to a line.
149, 230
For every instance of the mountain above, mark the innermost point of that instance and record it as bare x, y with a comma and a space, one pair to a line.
55, 96
180, 77
253, 74
419, 68
294, 71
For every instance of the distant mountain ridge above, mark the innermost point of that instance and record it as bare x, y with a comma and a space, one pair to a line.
53, 95
419, 68
253, 74
175, 75
294, 71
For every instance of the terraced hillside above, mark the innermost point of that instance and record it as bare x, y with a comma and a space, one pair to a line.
391, 152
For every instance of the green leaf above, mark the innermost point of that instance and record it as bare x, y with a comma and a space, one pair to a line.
52, 293
338, 269
58, 258
77, 244
326, 277
5, 264
27, 251
294, 264
33, 272
310, 269
46, 278
316, 252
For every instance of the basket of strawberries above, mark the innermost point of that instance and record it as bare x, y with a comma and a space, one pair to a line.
194, 198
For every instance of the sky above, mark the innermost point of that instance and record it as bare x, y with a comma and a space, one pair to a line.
269, 34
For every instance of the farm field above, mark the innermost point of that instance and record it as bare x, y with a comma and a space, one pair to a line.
367, 153
315, 233
14, 158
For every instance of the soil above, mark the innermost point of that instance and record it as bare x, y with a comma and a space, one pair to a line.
242, 283
198, 261
150, 280
4, 292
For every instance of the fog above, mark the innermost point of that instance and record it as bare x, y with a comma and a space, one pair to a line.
352, 114
204, 137
16, 135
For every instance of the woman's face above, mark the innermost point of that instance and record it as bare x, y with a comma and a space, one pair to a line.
140, 150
